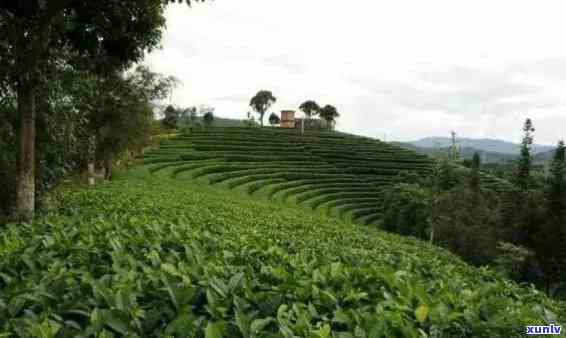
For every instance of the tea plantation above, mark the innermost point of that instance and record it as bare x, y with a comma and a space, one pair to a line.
344, 174
159, 252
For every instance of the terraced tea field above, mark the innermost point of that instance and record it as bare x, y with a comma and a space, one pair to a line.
343, 174
151, 256
162, 252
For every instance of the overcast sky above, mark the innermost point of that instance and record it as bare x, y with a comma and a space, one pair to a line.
404, 69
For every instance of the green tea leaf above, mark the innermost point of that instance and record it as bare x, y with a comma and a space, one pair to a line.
213, 330
421, 313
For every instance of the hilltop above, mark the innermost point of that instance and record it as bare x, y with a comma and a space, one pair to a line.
341, 173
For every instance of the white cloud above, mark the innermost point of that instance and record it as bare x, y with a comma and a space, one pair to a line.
404, 68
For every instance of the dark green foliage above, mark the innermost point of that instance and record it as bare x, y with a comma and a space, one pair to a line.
171, 117
208, 119
465, 222
120, 111
513, 260
446, 209
407, 210
40, 36
556, 191
475, 178
329, 113
82, 113
61, 137
261, 102
447, 176
7, 157
310, 108
274, 119
551, 239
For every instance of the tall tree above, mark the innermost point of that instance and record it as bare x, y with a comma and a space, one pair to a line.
310, 108
329, 114
261, 102
551, 237
120, 111
208, 118
556, 193
523, 173
454, 153
525, 210
475, 178
35, 34
171, 117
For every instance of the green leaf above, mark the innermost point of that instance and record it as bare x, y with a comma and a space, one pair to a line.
116, 320
421, 313
213, 330
219, 286
235, 281
243, 322
259, 324
325, 331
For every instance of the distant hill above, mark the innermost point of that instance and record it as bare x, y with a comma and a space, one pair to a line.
486, 145
466, 153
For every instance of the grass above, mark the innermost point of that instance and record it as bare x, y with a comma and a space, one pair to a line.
145, 256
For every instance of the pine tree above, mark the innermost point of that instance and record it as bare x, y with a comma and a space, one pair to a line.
475, 179
523, 173
556, 193
552, 235
523, 213
454, 152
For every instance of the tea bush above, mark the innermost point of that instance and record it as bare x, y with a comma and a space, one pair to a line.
150, 256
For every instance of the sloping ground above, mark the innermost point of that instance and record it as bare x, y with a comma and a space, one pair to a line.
150, 256
342, 173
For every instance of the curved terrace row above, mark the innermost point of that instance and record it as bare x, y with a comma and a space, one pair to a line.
344, 174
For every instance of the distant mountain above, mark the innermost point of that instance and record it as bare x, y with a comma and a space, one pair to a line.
486, 145
466, 153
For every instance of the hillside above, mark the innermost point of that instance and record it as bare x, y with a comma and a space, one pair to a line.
487, 145
544, 157
152, 256
340, 173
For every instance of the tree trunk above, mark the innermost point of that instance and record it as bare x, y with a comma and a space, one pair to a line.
91, 160
108, 169
91, 179
25, 188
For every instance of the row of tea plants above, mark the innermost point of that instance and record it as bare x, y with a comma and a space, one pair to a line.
147, 256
